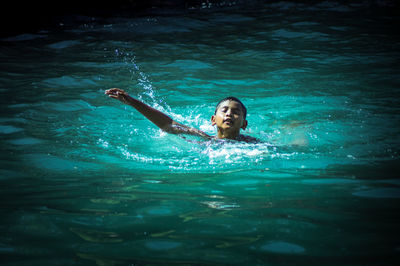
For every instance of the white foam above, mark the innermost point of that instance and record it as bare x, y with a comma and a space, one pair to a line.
235, 153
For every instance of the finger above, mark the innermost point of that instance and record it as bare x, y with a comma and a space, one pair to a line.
110, 91
115, 89
113, 92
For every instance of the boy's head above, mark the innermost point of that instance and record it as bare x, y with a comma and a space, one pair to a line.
230, 117
231, 98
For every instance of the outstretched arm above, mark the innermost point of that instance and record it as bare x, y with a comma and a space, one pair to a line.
160, 119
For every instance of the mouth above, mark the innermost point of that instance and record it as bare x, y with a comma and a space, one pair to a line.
228, 121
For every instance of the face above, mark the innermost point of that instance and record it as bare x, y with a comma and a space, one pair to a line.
229, 117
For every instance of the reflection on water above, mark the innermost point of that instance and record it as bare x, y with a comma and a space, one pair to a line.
86, 180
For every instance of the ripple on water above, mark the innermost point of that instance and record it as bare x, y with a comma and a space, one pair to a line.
25, 141
69, 106
67, 81
6, 129
189, 64
24, 37
51, 162
281, 247
162, 244
9, 174
379, 193
329, 181
165, 208
63, 44
231, 18
241, 182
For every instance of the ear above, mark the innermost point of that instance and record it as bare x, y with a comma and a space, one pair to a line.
213, 120
244, 125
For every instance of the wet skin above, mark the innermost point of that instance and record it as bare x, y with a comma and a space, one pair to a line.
229, 119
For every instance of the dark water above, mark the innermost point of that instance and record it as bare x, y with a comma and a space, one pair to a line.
86, 180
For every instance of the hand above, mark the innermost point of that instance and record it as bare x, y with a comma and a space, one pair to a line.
118, 94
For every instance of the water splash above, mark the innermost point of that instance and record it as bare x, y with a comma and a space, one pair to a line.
148, 93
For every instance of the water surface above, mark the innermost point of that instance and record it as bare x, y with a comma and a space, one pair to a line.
86, 180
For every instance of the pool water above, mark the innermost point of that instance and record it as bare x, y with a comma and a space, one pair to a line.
86, 180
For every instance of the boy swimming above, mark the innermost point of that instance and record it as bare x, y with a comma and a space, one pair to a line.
229, 117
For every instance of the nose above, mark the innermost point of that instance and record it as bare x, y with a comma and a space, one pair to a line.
229, 112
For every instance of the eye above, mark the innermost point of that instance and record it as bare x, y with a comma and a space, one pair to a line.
236, 111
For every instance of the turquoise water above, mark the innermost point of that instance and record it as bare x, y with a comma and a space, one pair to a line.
88, 181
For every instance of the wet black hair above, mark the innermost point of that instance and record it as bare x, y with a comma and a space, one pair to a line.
231, 98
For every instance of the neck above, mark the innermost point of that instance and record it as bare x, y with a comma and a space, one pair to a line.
223, 134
